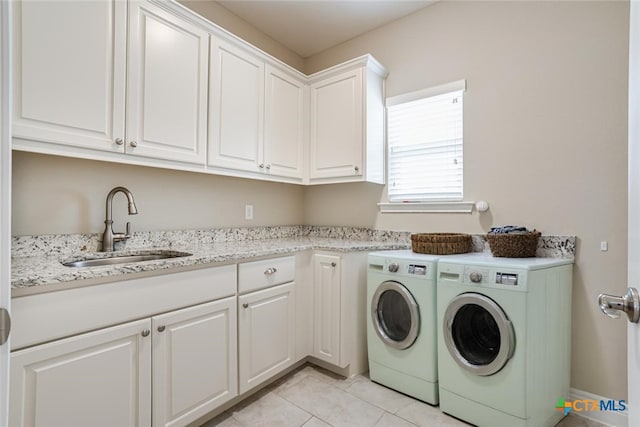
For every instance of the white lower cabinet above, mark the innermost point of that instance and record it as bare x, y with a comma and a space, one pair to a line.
326, 307
175, 366
340, 310
101, 378
266, 320
194, 361
107, 377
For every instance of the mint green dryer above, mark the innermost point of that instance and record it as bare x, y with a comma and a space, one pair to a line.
401, 324
504, 339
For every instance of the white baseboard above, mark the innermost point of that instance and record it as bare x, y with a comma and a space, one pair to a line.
610, 418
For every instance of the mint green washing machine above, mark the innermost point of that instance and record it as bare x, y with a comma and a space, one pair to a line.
401, 324
504, 339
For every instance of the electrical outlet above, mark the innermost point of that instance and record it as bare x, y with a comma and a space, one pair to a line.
248, 212
604, 246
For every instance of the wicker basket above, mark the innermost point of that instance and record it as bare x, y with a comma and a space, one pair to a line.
441, 243
522, 245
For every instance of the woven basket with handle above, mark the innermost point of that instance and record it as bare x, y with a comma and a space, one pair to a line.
516, 245
441, 243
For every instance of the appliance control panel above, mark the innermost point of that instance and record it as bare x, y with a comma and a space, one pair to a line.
420, 270
507, 279
411, 266
408, 268
482, 276
476, 275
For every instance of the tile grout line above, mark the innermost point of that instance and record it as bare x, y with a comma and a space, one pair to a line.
346, 390
384, 411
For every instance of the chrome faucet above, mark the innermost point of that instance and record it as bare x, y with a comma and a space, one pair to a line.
109, 238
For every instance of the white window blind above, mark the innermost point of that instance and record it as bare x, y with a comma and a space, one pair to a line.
425, 144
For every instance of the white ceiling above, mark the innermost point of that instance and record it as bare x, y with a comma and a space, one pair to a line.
311, 26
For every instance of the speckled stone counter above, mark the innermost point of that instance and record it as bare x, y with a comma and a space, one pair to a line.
37, 260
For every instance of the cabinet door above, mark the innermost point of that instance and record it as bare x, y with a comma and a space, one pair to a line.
284, 124
167, 85
194, 361
69, 72
101, 378
236, 108
336, 134
326, 282
266, 334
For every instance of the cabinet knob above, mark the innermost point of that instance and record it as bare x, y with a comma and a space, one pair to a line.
269, 271
333, 264
261, 165
119, 141
245, 305
146, 333
134, 144
356, 168
268, 167
161, 328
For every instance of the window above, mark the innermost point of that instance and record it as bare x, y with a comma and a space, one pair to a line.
425, 144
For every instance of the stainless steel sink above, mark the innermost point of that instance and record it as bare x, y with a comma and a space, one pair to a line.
94, 261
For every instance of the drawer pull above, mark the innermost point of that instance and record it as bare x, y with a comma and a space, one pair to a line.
269, 271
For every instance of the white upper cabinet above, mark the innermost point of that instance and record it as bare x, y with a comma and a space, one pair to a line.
347, 123
71, 68
236, 107
149, 82
336, 126
256, 114
284, 134
69, 72
167, 85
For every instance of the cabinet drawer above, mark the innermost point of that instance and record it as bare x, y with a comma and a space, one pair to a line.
52, 315
262, 274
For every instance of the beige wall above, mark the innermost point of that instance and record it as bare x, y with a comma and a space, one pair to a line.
241, 28
60, 195
545, 131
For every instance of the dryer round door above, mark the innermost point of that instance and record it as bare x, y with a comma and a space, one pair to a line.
395, 315
478, 334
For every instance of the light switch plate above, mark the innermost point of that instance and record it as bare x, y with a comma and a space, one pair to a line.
248, 212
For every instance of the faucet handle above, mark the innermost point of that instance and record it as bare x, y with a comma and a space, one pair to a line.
127, 233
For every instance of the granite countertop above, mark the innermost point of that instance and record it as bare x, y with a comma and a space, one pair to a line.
37, 260
37, 274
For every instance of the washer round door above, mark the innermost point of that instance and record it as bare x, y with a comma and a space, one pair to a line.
395, 315
478, 334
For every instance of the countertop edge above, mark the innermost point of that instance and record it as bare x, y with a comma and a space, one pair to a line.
45, 282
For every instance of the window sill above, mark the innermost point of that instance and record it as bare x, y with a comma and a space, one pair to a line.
427, 207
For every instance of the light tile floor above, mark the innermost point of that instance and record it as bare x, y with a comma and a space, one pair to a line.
313, 397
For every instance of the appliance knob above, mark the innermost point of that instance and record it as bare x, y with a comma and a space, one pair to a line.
475, 277
394, 267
